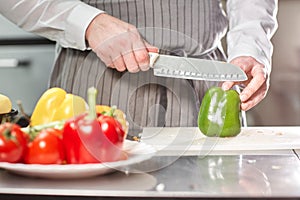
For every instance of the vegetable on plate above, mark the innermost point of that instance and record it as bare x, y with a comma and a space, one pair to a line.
91, 139
55, 136
118, 114
56, 104
13, 143
5, 104
46, 148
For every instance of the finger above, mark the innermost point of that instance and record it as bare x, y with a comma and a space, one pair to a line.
105, 55
257, 81
119, 64
245, 63
255, 99
227, 85
111, 66
248, 105
141, 55
130, 62
109, 62
142, 59
151, 48
144, 56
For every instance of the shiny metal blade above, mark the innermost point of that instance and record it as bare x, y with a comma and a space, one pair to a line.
196, 69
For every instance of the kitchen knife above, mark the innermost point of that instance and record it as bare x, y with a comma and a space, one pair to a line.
194, 68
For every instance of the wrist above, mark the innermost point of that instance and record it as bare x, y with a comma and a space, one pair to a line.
91, 28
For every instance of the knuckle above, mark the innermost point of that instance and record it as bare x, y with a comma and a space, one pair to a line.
132, 29
250, 91
116, 57
133, 68
141, 57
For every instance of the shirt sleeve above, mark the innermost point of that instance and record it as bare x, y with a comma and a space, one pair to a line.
63, 21
252, 23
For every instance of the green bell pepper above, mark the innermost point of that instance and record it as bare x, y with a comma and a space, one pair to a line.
219, 113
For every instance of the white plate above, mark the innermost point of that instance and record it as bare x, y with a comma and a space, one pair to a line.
136, 152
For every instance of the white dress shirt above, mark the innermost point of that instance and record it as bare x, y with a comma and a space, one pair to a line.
252, 23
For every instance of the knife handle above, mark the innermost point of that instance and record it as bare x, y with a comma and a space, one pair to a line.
153, 57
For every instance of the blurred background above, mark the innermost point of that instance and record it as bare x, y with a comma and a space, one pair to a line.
25, 64
282, 104
26, 61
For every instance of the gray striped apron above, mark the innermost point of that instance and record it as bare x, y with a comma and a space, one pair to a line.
190, 28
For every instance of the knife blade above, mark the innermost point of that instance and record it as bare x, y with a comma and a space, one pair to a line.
194, 68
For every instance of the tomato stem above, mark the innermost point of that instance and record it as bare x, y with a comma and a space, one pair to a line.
8, 135
55, 124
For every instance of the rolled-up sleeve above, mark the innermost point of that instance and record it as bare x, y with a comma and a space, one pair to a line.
63, 21
252, 23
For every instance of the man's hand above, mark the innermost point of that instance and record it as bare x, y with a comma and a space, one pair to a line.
256, 86
118, 44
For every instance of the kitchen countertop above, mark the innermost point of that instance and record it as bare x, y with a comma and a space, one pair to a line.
270, 173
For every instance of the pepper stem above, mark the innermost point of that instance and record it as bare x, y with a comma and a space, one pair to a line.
92, 93
111, 112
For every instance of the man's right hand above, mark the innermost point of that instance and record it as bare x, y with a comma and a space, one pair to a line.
118, 44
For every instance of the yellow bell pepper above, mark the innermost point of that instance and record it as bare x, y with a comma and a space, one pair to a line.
55, 104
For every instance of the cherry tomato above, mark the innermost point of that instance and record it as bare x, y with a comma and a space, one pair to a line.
13, 143
46, 148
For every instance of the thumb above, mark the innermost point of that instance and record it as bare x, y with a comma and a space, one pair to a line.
151, 48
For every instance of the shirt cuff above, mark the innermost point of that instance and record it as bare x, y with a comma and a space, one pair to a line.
244, 49
77, 23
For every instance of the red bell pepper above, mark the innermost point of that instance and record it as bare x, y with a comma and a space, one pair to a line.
88, 140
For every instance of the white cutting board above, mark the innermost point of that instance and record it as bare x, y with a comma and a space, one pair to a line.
182, 139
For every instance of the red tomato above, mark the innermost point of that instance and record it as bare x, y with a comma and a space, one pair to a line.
13, 143
46, 148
